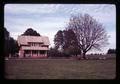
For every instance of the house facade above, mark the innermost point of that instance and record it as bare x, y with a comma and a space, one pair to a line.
33, 46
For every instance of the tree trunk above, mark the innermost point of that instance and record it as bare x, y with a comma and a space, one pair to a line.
77, 57
84, 54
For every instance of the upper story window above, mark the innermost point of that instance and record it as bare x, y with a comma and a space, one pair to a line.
44, 45
35, 44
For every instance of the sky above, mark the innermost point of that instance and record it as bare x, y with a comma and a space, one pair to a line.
47, 19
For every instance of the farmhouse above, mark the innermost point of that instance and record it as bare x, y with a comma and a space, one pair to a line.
33, 46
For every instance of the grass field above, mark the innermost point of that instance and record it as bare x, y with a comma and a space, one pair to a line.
60, 69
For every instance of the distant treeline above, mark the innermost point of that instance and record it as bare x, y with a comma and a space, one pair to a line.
111, 51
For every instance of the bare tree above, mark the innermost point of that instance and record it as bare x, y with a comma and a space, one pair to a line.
90, 33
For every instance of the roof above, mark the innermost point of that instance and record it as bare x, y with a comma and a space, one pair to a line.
23, 40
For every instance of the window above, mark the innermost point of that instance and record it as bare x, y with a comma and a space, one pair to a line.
34, 44
44, 45
40, 44
29, 43
27, 51
34, 52
42, 52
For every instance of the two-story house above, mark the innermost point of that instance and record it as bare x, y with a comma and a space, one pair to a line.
33, 46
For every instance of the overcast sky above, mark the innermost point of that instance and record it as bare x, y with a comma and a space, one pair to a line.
47, 19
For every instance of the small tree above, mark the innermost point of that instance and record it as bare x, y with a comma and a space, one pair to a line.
111, 51
70, 43
53, 52
58, 40
66, 42
11, 45
14, 48
30, 32
90, 33
6, 45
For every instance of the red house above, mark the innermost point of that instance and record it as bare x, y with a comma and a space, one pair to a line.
33, 46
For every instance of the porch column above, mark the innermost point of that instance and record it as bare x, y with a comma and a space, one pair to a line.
37, 53
31, 53
9, 55
21, 53
45, 54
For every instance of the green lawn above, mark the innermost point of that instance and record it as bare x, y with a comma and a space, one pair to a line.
60, 69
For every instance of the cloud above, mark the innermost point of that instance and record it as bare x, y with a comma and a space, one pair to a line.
47, 24
30, 8
104, 13
15, 34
